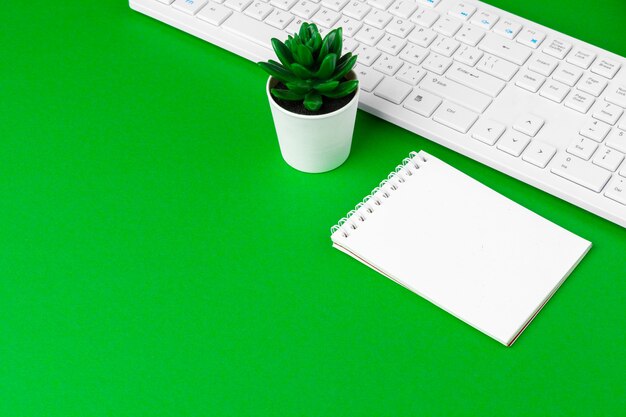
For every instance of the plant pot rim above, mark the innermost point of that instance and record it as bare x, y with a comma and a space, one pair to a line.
351, 74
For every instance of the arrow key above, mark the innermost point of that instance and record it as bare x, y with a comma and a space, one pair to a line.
488, 131
513, 142
539, 153
528, 124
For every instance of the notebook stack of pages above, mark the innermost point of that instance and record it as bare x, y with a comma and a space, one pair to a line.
462, 246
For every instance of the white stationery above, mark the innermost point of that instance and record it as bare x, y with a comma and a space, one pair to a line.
457, 243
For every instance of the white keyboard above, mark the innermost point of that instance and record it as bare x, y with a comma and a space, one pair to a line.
533, 103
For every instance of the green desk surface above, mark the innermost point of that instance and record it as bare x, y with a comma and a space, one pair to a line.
158, 258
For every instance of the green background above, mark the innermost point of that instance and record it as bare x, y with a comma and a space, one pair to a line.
158, 257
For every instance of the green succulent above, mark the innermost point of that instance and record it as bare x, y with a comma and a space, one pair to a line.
311, 67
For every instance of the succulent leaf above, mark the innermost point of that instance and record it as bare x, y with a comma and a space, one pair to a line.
337, 42
282, 52
300, 86
343, 69
313, 101
327, 67
343, 89
277, 71
301, 71
286, 94
326, 86
303, 55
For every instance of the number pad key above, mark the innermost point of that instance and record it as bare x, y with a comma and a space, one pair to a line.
582, 148
608, 158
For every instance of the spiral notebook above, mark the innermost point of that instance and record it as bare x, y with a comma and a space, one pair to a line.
469, 250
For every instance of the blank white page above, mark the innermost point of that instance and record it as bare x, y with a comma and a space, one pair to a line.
469, 250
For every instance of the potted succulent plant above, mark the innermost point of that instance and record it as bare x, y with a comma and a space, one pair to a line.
313, 94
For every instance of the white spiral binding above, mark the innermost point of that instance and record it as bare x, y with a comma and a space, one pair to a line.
378, 195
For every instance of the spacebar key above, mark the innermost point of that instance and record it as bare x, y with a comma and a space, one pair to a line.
252, 30
581, 172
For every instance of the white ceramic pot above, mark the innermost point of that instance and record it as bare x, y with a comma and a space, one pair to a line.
314, 143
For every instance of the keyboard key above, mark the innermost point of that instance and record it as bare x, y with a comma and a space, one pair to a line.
608, 113
304, 9
484, 19
476, 80
403, 8
507, 28
617, 95
369, 35
539, 153
283, 4
622, 123
456, 92
429, 3
356, 10
392, 90
349, 45
189, 6
388, 64
579, 101
325, 17
445, 46
616, 190
437, 63
617, 140
367, 54
380, 4
592, 84
531, 38
259, 10
497, 67
168, 2
422, 36
528, 124
237, 5
455, 117
513, 142
608, 158
581, 57
214, 14
462, 11
422, 103
543, 64
335, 5
468, 55
391, 44
554, 90
557, 48
400, 27
411, 74
488, 131
582, 148
425, 17
251, 29
567, 74
504, 48
414, 54
580, 172
595, 130
447, 26
377, 18
368, 78
529, 80
279, 19
350, 27
605, 67
470, 35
